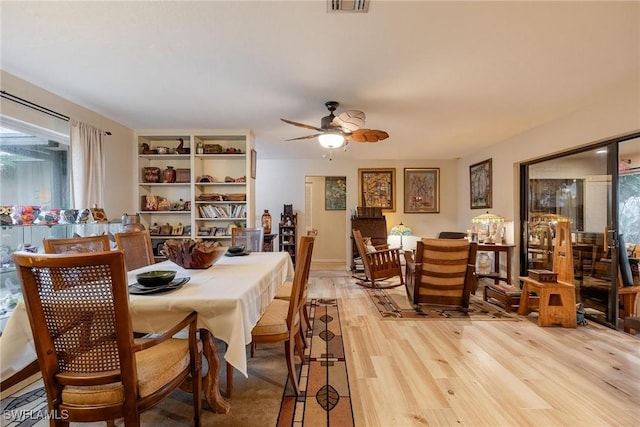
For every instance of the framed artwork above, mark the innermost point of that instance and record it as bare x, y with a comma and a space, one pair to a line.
562, 197
421, 190
99, 215
480, 185
335, 193
254, 160
377, 188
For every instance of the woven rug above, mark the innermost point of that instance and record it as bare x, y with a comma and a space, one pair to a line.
325, 399
263, 399
394, 304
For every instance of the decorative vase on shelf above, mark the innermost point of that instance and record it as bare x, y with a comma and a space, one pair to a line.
266, 221
169, 174
151, 174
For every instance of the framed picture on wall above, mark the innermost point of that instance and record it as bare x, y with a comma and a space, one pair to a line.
377, 188
480, 185
335, 193
421, 190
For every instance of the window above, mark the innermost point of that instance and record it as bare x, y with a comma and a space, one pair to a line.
34, 166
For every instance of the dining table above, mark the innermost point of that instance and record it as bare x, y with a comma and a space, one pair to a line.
229, 297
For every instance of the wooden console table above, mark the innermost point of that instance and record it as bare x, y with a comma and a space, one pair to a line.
497, 250
557, 302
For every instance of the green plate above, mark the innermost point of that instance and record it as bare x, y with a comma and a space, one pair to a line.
137, 289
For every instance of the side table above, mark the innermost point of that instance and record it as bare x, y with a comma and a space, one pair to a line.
497, 249
557, 302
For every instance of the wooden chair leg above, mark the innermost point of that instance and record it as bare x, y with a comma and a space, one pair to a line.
303, 337
299, 347
305, 315
288, 350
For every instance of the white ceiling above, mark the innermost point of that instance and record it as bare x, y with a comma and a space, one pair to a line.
443, 78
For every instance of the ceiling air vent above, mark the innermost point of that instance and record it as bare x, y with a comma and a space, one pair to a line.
353, 6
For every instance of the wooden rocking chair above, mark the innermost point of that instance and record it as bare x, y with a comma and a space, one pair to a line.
380, 264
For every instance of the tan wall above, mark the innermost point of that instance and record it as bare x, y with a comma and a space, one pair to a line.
331, 225
283, 181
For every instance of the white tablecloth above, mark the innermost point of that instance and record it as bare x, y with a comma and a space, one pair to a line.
229, 297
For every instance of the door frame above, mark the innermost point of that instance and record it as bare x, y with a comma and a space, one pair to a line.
611, 145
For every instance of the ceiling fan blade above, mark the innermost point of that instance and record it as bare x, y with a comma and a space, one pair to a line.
367, 135
350, 120
302, 125
305, 137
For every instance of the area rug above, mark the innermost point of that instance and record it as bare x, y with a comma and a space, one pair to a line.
394, 304
263, 399
325, 399
392, 282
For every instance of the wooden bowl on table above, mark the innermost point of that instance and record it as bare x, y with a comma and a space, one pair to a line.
189, 253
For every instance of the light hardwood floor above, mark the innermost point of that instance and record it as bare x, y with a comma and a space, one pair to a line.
480, 373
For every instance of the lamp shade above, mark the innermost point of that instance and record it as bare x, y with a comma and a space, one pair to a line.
331, 140
545, 217
487, 218
400, 230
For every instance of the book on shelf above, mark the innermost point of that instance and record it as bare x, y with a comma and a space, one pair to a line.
223, 211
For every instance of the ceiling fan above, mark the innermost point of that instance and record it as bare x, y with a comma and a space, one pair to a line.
336, 131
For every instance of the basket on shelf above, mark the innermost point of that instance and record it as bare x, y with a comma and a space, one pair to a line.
183, 175
212, 148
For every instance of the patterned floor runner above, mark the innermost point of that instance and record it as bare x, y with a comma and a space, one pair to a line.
325, 399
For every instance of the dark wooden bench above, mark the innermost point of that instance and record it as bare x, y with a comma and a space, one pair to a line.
507, 296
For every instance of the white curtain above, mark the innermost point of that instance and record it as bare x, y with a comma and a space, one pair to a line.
87, 165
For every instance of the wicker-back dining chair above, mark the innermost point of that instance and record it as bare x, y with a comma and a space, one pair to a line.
251, 238
92, 367
77, 244
137, 247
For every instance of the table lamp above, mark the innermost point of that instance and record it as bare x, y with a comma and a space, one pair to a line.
400, 230
487, 219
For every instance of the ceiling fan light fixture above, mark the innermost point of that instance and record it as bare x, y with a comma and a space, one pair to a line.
331, 140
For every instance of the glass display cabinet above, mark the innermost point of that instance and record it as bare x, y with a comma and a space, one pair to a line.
29, 237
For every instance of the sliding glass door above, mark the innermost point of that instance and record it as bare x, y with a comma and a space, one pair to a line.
582, 188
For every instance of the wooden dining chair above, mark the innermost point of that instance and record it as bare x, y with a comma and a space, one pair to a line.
281, 322
284, 291
137, 247
251, 238
92, 367
77, 244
